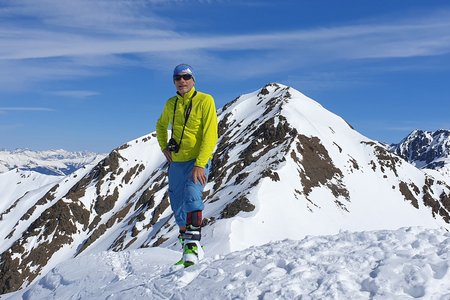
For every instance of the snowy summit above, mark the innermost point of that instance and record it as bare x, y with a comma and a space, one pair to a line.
427, 150
284, 168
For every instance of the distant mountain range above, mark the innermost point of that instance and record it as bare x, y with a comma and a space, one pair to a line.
284, 168
426, 150
50, 162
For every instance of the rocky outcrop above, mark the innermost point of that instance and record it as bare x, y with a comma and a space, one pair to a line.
273, 140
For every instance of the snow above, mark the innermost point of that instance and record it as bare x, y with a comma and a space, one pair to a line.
22, 183
294, 244
51, 162
30, 187
407, 263
427, 149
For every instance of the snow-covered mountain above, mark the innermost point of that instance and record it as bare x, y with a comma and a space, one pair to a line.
285, 167
50, 162
15, 184
406, 263
426, 150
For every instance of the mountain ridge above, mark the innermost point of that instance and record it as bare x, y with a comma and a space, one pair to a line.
284, 167
426, 150
49, 162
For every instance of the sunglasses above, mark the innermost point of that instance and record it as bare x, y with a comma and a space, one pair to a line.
184, 76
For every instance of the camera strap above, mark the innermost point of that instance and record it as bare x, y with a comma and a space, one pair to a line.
186, 116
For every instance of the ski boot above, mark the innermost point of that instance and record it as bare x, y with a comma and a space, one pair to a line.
181, 240
190, 240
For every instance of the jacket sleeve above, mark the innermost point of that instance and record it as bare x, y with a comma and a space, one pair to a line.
162, 125
210, 129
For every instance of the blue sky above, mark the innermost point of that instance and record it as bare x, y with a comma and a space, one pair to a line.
92, 75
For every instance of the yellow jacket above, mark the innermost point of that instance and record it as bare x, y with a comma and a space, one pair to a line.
200, 134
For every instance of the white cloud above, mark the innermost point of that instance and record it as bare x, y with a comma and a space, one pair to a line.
361, 41
70, 39
95, 16
79, 94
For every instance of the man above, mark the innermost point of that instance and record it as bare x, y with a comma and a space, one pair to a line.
193, 119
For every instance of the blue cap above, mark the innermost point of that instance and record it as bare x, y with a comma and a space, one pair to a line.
183, 68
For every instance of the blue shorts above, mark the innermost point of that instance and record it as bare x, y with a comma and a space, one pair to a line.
185, 195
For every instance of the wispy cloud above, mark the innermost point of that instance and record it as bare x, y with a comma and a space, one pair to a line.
91, 16
79, 94
360, 41
25, 109
61, 37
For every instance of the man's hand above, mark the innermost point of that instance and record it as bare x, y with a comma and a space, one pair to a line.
168, 155
198, 173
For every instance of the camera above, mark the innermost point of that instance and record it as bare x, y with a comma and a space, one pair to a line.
173, 146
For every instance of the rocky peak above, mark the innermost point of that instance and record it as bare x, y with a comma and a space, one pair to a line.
426, 149
284, 167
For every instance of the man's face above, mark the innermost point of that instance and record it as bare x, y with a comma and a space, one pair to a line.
183, 85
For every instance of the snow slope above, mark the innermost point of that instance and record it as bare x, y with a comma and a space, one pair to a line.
317, 174
15, 184
406, 263
284, 168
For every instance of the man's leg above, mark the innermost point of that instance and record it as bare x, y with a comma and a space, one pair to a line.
177, 186
193, 251
194, 207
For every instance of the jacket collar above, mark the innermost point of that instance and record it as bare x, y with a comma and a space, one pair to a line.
188, 95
